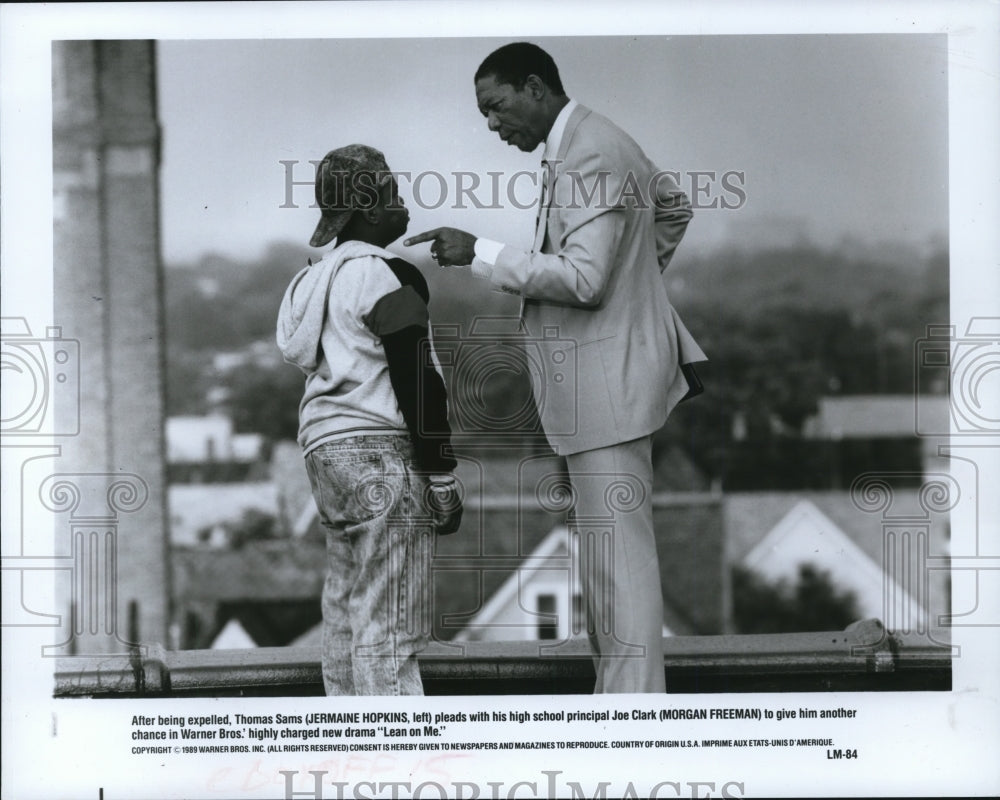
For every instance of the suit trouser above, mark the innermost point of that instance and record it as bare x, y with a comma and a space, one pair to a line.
619, 571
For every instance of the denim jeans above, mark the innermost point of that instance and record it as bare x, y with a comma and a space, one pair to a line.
379, 541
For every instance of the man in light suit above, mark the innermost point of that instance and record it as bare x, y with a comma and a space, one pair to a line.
593, 296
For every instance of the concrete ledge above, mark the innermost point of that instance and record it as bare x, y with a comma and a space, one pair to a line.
862, 657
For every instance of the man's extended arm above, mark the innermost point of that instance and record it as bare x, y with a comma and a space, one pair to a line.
591, 232
577, 275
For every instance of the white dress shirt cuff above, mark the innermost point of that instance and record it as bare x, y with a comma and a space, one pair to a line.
487, 252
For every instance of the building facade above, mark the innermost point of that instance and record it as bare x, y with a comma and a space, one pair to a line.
108, 296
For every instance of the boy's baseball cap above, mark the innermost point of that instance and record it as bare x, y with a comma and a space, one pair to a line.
339, 190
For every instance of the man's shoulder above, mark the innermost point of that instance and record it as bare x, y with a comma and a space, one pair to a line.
596, 135
594, 124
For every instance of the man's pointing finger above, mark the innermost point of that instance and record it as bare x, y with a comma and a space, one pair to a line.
426, 236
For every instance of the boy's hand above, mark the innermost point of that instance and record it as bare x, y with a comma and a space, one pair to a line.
450, 247
445, 503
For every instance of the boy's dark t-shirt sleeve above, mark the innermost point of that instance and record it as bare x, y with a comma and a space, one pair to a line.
400, 319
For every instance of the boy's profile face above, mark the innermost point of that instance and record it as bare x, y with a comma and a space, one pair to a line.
395, 217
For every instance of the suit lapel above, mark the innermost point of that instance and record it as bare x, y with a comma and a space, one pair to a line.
580, 113
551, 175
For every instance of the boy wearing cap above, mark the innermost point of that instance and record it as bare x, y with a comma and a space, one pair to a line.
373, 426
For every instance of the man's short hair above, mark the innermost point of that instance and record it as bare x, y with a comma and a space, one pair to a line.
513, 63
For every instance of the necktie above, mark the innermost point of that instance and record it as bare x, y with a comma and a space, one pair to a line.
543, 200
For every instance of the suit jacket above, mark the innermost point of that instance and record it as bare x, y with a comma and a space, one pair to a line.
604, 345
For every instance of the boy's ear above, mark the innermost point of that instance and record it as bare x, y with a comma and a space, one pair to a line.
372, 215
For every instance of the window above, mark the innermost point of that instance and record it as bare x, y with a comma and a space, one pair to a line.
548, 620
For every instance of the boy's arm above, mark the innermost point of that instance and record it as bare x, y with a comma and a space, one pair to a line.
400, 320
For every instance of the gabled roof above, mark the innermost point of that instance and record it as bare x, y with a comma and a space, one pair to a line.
233, 636
750, 516
772, 533
554, 546
805, 532
269, 623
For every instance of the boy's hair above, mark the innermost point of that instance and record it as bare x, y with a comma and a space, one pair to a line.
513, 63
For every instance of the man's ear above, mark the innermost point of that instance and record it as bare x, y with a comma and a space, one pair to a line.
535, 86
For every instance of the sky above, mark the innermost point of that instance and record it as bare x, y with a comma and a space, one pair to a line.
840, 140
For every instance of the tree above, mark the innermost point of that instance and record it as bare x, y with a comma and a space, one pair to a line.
252, 526
266, 400
187, 382
813, 603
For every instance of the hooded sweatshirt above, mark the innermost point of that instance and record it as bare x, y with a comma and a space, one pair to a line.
356, 324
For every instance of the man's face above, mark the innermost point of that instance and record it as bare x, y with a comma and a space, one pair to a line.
515, 115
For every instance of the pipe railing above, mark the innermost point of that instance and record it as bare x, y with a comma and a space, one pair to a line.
864, 656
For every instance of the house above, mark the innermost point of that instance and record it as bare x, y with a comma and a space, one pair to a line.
883, 419
541, 601
207, 449
243, 593
847, 436
199, 512
266, 592
198, 438
772, 534
291, 483
532, 592
513, 535
508, 572
876, 416
233, 636
260, 353
897, 579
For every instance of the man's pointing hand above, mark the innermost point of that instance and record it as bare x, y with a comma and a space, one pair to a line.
450, 247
